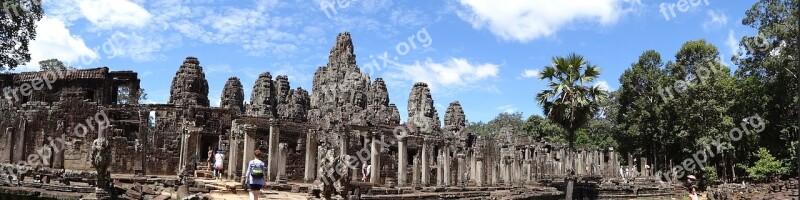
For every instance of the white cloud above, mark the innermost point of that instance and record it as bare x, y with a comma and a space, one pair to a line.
107, 14
525, 20
53, 40
715, 20
449, 76
507, 108
531, 73
732, 43
603, 85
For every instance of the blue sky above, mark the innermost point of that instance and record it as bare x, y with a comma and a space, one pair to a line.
483, 53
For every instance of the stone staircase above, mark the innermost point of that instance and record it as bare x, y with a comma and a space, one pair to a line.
204, 172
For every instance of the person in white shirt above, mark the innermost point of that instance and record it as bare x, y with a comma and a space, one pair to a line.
218, 167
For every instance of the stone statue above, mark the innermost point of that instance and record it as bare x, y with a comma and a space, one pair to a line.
101, 159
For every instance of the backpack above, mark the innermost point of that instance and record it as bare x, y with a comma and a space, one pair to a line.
257, 171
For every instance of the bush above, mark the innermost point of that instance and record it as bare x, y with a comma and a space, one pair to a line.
767, 167
708, 178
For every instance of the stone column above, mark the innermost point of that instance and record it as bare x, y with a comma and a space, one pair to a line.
249, 148
311, 156
503, 167
401, 161
9, 143
472, 165
446, 173
272, 161
479, 170
19, 142
184, 149
495, 167
643, 169
425, 168
462, 168
440, 170
415, 174
234, 154
375, 173
283, 155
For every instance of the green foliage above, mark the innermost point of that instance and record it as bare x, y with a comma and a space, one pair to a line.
17, 28
569, 101
492, 128
768, 62
708, 177
53, 65
542, 128
124, 93
767, 167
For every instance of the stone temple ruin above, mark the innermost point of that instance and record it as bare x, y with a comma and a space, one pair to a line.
317, 141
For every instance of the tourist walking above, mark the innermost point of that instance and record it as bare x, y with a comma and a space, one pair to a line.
254, 176
218, 167
210, 160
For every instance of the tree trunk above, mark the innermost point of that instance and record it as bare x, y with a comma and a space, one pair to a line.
571, 173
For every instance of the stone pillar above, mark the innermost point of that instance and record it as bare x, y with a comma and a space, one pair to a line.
375, 173
446, 172
9, 143
495, 168
311, 157
425, 162
234, 154
415, 174
440, 169
472, 165
283, 155
19, 142
249, 148
184, 149
643, 169
272, 161
502, 167
479, 170
401, 162
462, 168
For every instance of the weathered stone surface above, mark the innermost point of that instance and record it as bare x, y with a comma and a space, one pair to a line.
454, 118
233, 96
263, 101
421, 111
342, 94
189, 87
299, 104
101, 160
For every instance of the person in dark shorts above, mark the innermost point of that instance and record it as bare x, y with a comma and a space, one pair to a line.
254, 176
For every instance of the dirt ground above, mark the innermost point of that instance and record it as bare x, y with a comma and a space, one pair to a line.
264, 195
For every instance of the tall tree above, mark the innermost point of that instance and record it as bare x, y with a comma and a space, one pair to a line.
703, 95
17, 28
570, 100
542, 128
641, 98
770, 58
52, 64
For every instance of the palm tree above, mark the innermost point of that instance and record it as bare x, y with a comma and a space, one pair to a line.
570, 102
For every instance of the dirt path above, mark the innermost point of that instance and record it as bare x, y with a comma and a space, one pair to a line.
265, 196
